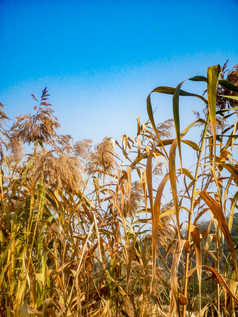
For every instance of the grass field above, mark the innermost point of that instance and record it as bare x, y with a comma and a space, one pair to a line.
117, 230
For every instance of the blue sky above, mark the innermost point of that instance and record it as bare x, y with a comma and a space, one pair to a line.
100, 59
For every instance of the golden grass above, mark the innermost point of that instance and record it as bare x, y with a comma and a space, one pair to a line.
101, 232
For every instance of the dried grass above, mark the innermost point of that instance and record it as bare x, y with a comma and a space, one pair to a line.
96, 232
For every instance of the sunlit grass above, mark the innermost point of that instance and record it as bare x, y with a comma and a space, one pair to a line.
101, 232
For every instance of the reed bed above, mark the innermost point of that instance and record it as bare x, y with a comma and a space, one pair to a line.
116, 230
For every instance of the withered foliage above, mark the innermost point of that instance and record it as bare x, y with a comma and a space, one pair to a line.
100, 231
128, 200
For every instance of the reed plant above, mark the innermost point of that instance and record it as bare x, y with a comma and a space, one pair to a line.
115, 230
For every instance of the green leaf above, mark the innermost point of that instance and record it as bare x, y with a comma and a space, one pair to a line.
176, 92
199, 78
170, 91
177, 119
231, 97
192, 144
173, 179
151, 117
228, 85
213, 73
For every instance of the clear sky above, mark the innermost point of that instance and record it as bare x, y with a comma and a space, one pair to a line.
100, 59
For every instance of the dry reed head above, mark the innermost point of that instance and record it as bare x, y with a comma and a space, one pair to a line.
82, 149
15, 146
165, 128
136, 197
3, 133
38, 127
3, 115
166, 231
61, 172
104, 157
62, 144
158, 168
132, 201
221, 122
232, 77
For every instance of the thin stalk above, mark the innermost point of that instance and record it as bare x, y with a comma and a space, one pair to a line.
220, 191
218, 270
190, 223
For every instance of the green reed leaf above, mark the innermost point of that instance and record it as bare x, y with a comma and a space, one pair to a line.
213, 74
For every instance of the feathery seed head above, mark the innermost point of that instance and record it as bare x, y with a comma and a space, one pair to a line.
38, 127
104, 157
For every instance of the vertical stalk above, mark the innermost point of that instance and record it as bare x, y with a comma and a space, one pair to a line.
218, 269
190, 220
